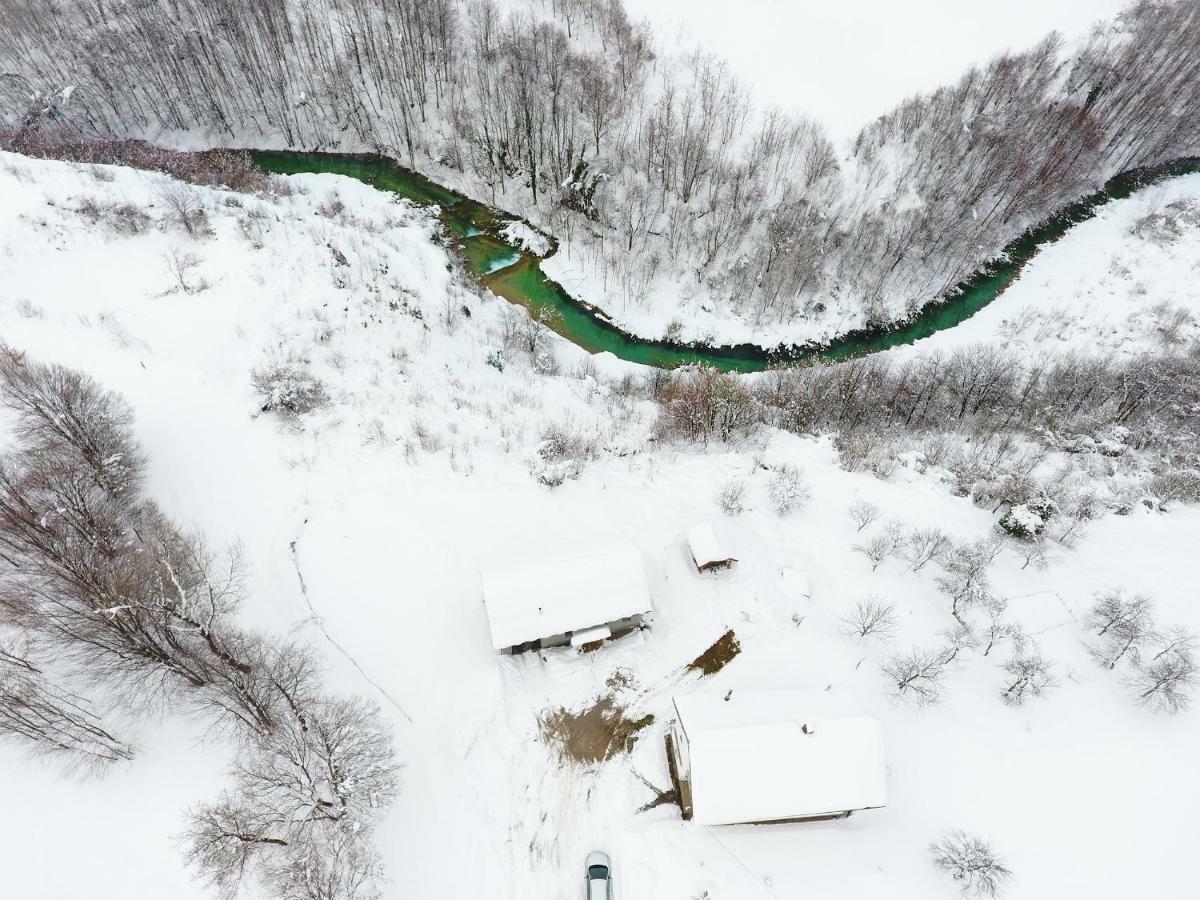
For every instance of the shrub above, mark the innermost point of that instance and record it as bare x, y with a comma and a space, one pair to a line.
1029, 519
788, 490
731, 497
288, 387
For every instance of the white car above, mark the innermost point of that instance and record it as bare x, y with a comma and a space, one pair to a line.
597, 879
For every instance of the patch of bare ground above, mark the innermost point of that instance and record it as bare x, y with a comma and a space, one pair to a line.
718, 656
593, 734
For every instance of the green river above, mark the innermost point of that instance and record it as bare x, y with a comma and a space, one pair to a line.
517, 274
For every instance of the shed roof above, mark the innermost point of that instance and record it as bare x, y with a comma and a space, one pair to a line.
752, 762
708, 544
545, 595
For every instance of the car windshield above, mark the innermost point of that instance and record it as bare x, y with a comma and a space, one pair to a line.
599, 872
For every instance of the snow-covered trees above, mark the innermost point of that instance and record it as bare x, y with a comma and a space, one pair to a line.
702, 404
1122, 625
305, 795
50, 718
94, 577
1163, 663
575, 112
971, 861
1029, 675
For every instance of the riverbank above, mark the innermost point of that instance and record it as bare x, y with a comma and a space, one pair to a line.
519, 275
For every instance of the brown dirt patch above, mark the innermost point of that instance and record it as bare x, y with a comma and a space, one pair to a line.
718, 656
594, 733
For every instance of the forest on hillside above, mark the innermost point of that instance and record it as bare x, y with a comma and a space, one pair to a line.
567, 111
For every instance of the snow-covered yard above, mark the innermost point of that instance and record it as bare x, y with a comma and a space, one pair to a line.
419, 467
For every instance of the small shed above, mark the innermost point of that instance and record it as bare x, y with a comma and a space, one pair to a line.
709, 547
576, 597
751, 757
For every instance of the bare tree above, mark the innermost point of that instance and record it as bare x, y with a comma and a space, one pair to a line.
1166, 680
997, 628
185, 209
48, 717
925, 545
863, 513
917, 674
966, 580
1029, 675
871, 617
972, 862
881, 545
182, 266
1123, 625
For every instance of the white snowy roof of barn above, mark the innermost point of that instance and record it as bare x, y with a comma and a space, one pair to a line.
708, 545
557, 592
752, 762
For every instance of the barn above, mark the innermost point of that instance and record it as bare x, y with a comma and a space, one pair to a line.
577, 597
753, 757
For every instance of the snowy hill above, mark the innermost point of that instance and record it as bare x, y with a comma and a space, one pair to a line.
433, 442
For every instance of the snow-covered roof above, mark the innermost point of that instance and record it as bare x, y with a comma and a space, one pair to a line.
708, 545
557, 592
751, 760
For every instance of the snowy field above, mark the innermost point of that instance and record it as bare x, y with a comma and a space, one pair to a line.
847, 63
420, 467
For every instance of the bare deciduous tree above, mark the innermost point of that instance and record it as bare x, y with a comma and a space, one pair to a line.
972, 862
925, 545
863, 513
1029, 675
871, 617
1167, 680
185, 209
49, 717
917, 674
1123, 625
966, 580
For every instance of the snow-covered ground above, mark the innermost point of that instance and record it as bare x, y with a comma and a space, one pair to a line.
420, 467
849, 62
1121, 283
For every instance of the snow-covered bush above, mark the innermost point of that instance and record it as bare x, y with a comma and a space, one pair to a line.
788, 490
1176, 486
972, 862
288, 387
731, 497
1029, 519
561, 453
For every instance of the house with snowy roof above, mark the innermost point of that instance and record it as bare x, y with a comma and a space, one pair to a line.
752, 757
580, 597
710, 547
